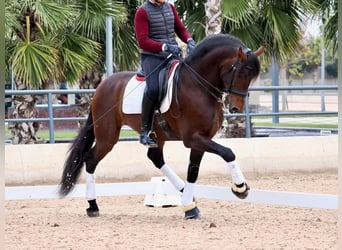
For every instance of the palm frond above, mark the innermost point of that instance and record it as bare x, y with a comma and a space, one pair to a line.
77, 55
11, 23
33, 62
282, 33
54, 15
252, 35
331, 28
92, 16
238, 14
126, 52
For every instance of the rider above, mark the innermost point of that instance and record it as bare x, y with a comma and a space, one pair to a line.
156, 25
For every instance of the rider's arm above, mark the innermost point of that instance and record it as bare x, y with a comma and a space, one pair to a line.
180, 29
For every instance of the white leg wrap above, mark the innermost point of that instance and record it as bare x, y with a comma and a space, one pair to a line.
90, 186
177, 182
235, 170
188, 194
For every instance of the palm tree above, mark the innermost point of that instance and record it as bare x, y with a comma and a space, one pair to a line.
48, 42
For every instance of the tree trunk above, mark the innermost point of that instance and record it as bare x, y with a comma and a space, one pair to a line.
236, 126
24, 107
49, 84
213, 15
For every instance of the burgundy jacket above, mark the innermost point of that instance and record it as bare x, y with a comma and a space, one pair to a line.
142, 29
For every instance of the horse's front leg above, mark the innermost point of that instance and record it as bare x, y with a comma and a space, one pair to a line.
239, 187
188, 200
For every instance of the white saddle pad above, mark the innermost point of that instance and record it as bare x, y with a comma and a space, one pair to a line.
134, 93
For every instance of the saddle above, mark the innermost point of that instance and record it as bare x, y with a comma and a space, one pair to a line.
163, 78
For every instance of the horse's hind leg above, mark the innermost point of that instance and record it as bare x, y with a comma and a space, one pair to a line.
104, 144
156, 156
188, 201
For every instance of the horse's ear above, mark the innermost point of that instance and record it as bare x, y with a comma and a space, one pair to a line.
259, 51
242, 55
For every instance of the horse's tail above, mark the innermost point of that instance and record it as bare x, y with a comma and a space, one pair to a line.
76, 157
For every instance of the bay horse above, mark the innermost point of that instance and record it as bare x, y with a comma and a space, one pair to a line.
220, 65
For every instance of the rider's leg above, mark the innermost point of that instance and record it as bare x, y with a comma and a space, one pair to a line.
147, 113
151, 67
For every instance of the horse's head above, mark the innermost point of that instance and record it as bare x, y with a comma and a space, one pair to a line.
238, 76
225, 65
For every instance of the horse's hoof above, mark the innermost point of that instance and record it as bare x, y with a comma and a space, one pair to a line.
93, 209
192, 212
241, 191
93, 213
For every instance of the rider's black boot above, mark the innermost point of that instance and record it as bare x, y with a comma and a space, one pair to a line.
147, 114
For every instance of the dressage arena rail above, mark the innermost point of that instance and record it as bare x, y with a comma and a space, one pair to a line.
295, 199
247, 114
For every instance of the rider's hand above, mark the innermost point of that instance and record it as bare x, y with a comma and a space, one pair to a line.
174, 49
191, 46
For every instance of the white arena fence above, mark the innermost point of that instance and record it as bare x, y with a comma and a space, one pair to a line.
161, 191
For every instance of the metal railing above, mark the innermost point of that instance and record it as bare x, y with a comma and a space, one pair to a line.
50, 106
248, 114
51, 119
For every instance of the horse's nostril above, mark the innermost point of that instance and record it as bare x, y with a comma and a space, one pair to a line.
234, 110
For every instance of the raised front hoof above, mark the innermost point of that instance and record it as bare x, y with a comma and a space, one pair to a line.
93, 209
192, 212
241, 191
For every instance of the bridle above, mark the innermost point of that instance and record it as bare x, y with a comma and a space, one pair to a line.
219, 92
230, 89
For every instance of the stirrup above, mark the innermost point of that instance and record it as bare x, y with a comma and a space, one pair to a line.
150, 143
146, 140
